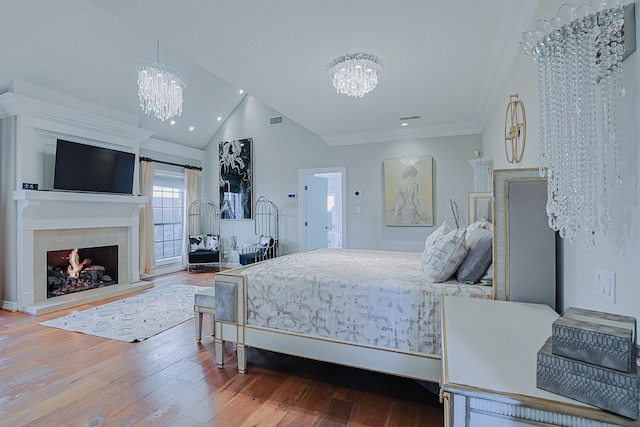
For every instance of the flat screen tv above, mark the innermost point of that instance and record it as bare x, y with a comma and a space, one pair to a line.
87, 168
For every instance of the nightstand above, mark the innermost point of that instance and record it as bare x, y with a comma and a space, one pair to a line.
489, 351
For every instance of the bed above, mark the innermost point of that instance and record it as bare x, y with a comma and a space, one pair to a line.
363, 308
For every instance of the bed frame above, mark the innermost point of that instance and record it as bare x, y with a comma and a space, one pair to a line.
231, 325
231, 316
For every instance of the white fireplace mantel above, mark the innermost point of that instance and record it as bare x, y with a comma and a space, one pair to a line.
52, 210
58, 210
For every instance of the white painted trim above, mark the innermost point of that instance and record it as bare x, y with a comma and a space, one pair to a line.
301, 173
10, 305
44, 115
169, 148
403, 134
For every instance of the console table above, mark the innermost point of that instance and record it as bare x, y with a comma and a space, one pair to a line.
489, 352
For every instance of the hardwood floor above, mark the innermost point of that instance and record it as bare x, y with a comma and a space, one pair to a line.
51, 377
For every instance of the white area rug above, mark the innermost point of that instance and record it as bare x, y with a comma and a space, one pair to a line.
134, 318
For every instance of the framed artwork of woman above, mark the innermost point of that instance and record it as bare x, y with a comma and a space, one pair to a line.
408, 191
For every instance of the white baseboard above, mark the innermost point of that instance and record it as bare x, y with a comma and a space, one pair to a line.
10, 305
160, 270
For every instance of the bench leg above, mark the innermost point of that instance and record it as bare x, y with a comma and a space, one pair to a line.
242, 358
219, 353
198, 326
213, 325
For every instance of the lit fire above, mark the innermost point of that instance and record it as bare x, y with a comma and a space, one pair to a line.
75, 266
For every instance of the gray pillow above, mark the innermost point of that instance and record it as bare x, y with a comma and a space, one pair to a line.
479, 257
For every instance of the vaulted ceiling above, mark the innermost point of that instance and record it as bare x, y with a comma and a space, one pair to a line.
442, 59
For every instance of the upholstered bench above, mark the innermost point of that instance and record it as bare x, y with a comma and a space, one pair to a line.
204, 302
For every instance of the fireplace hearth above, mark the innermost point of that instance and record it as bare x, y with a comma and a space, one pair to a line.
76, 270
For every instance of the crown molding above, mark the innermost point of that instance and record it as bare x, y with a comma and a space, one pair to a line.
402, 135
64, 118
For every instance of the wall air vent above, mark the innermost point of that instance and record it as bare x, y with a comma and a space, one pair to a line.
276, 121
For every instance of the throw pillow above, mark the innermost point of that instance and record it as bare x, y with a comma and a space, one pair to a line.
212, 242
483, 223
196, 243
436, 234
488, 275
479, 257
444, 256
264, 241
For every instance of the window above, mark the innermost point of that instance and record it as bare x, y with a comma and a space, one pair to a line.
168, 214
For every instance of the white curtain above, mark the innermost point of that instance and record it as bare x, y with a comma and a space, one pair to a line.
191, 194
147, 249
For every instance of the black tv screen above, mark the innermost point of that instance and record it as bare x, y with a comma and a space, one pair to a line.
82, 167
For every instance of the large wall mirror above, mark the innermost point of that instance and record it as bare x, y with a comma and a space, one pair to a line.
524, 249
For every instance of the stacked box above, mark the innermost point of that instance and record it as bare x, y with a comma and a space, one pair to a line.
605, 388
601, 339
591, 357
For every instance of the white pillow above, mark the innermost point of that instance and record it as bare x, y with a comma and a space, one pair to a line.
264, 241
436, 234
444, 256
212, 242
483, 223
196, 243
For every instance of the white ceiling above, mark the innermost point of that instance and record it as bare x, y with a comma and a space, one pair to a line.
442, 59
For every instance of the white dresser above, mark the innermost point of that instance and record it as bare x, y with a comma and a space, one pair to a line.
489, 368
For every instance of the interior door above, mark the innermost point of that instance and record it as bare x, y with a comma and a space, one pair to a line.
315, 212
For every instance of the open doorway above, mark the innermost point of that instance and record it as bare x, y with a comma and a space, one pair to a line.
322, 199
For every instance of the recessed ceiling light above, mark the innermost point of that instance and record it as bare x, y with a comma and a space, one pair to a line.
191, 128
173, 122
219, 118
241, 91
405, 124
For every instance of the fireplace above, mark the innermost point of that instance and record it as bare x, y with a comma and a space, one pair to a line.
76, 270
42, 221
52, 221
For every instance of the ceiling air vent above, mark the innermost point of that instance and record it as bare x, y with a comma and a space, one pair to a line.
276, 121
409, 118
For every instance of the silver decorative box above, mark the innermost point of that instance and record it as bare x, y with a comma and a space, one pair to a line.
603, 339
604, 388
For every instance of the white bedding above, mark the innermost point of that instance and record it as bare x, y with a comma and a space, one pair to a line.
369, 297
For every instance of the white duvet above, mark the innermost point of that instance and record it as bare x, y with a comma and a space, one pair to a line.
369, 297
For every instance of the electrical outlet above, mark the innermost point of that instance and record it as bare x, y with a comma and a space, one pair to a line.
605, 284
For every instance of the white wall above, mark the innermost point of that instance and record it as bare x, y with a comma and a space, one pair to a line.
280, 151
620, 250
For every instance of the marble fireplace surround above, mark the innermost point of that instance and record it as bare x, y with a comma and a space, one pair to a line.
55, 220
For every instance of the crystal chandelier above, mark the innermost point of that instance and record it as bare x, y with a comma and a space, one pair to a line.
579, 55
160, 89
482, 174
355, 74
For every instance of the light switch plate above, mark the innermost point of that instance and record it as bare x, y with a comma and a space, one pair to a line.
605, 284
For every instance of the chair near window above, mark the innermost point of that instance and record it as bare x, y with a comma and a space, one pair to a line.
203, 228
266, 226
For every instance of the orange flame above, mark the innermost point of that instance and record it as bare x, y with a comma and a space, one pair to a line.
74, 264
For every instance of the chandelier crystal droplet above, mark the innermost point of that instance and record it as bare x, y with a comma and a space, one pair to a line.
355, 74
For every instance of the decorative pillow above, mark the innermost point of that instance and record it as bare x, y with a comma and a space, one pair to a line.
444, 256
264, 241
488, 275
436, 234
478, 258
212, 242
196, 243
483, 223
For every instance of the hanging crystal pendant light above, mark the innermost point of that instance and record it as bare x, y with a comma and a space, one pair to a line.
355, 74
160, 89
